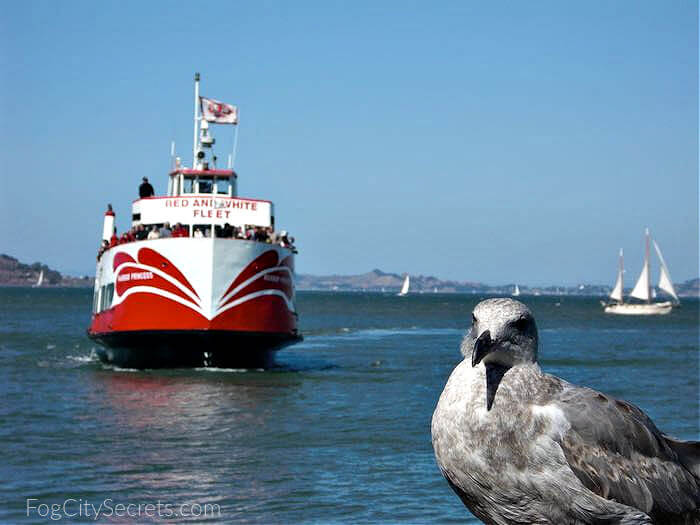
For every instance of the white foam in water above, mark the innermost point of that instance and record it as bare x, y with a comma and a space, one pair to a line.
50, 346
90, 358
227, 370
311, 344
119, 369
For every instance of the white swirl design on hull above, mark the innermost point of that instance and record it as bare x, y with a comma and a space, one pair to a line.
154, 290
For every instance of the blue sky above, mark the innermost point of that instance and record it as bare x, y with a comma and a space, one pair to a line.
490, 141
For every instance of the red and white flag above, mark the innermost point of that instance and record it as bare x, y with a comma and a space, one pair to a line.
218, 112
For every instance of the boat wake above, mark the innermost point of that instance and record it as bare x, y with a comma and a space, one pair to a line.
90, 358
228, 370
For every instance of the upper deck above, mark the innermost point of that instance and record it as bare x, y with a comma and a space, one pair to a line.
206, 197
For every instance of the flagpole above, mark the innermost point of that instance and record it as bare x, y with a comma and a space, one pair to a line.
235, 145
196, 119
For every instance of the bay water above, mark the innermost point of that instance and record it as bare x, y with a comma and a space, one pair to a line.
337, 432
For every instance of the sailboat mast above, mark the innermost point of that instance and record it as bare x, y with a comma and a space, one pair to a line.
646, 264
622, 275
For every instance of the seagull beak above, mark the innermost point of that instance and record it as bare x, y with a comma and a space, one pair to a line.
482, 346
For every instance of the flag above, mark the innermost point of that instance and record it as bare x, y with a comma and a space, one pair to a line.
218, 112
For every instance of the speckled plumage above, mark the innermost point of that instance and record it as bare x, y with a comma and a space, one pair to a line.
521, 446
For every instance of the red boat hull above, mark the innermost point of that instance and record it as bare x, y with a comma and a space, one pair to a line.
194, 302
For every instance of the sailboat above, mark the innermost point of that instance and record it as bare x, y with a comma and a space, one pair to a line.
516, 292
643, 289
404, 288
40, 280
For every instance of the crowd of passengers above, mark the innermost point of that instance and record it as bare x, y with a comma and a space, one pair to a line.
227, 231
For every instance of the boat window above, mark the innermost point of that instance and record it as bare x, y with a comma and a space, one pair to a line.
188, 184
206, 184
222, 186
106, 295
110, 295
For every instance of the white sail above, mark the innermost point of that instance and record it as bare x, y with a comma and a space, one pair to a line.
406, 284
616, 294
40, 280
516, 292
665, 282
641, 289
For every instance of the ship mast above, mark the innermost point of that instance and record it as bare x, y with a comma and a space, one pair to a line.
196, 120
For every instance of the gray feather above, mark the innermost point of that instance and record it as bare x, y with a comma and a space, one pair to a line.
618, 453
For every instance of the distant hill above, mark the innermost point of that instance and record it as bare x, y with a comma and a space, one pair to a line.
377, 281
690, 288
15, 273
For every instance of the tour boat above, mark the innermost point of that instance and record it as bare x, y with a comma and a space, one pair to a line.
643, 290
204, 297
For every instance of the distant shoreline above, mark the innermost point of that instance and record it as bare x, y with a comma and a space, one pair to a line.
523, 296
15, 274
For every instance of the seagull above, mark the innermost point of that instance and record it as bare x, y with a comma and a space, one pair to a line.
519, 446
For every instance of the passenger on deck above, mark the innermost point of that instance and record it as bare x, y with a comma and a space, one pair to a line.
249, 232
153, 234
271, 235
287, 241
198, 233
165, 231
145, 189
179, 230
140, 233
260, 234
114, 240
103, 247
227, 231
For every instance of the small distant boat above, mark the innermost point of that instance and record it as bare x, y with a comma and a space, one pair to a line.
404, 288
516, 292
40, 280
643, 289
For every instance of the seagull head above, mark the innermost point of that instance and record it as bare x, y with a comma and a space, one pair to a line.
503, 332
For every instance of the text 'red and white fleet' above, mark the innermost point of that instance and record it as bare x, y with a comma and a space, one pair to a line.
200, 297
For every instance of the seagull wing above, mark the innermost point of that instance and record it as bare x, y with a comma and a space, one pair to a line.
618, 453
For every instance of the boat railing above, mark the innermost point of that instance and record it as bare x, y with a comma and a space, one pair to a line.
285, 241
